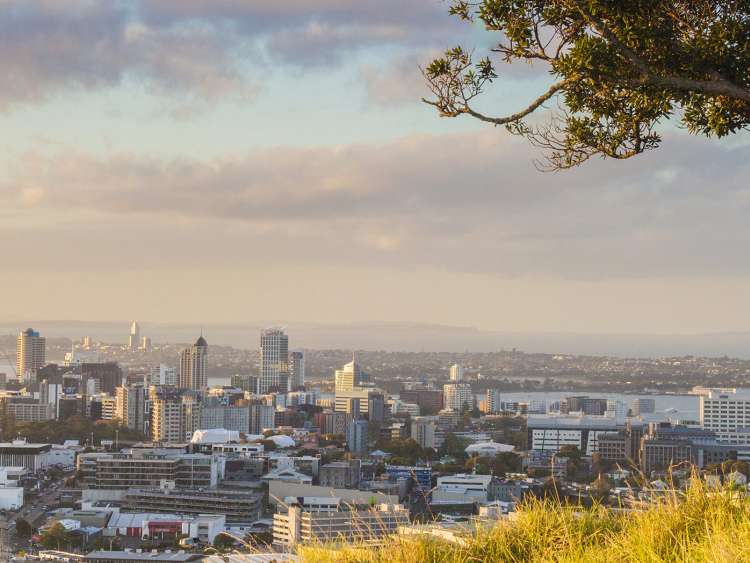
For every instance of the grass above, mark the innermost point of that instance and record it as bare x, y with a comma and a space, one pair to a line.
696, 525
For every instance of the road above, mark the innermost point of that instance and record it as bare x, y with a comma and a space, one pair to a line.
34, 512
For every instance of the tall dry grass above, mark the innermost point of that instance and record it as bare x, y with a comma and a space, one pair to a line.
694, 525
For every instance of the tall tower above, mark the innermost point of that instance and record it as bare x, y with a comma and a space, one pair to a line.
30, 352
347, 378
193, 364
135, 336
297, 370
457, 373
274, 361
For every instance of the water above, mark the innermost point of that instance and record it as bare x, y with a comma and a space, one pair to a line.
686, 406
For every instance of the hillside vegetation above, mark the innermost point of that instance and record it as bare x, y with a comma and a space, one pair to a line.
697, 525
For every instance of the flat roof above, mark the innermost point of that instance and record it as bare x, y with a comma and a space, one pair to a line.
145, 556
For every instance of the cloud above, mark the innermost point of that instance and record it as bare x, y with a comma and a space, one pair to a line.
468, 203
193, 48
47, 47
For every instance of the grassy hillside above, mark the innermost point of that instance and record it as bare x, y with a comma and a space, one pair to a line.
697, 526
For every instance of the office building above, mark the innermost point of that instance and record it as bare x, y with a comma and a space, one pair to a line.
347, 378
146, 344
146, 469
553, 432
262, 418
493, 403
245, 382
333, 422
341, 474
423, 431
298, 525
297, 370
20, 453
461, 487
457, 373
458, 396
639, 407
727, 413
235, 417
241, 508
27, 409
194, 366
422, 476
163, 375
430, 401
100, 378
356, 436
274, 361
130, 407
175, 415
135, 336
30, 353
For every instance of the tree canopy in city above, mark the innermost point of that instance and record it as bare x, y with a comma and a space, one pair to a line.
617, 70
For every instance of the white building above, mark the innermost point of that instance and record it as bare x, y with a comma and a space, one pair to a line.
423, 431
163, 375
493, 402
727, 413
456, 396
11, 495
463, 487
552, 432
300, 525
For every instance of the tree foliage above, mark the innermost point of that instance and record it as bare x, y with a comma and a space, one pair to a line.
77, 428
618, 69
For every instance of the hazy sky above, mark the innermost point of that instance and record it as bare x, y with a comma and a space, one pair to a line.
226, 160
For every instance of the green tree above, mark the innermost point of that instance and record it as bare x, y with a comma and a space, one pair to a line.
618, 69
23, 528
454, 446
55, 537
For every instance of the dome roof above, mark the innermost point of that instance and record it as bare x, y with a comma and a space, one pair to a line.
201, 341
488, 448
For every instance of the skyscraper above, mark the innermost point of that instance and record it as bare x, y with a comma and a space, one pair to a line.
30, 353
347, 378
274, 361
193, 366
297, 370
457, 373
134, 339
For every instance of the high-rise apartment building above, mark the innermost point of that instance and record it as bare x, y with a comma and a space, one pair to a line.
134, 339
193, 366
130, 407
457, 373
274, 361
458, 396
175, 414
493, 401
297, 370
30, 353
423, 431
163, 375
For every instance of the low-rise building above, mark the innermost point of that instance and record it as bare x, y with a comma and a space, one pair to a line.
238, 506
298, 525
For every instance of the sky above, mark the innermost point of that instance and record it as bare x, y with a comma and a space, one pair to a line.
219, 161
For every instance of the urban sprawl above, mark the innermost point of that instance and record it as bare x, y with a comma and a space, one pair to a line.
151, 452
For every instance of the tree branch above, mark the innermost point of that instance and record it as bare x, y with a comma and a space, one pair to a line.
720, 86
467, 110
